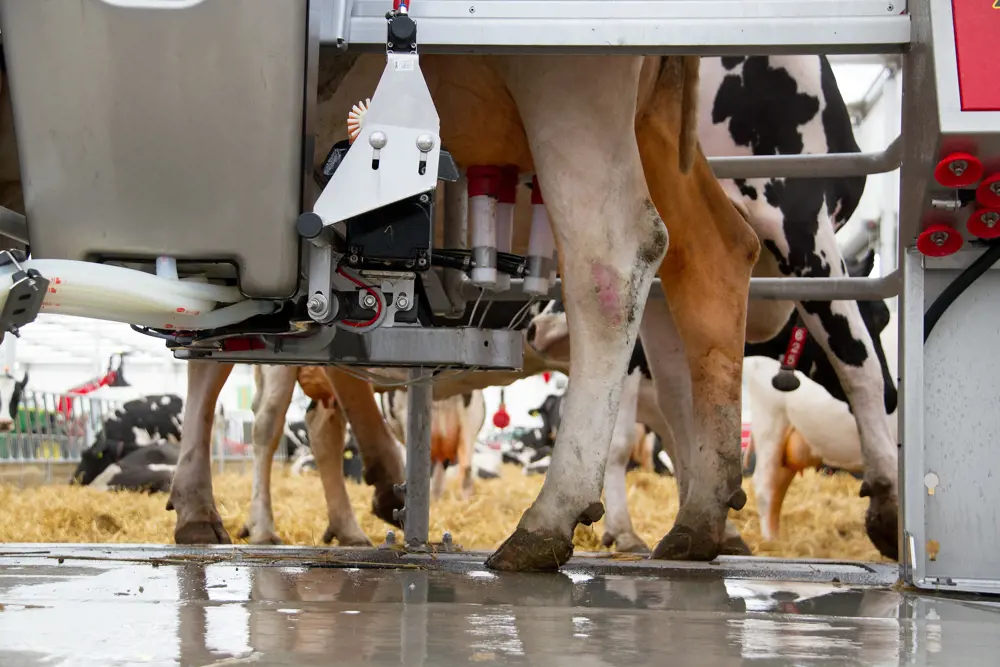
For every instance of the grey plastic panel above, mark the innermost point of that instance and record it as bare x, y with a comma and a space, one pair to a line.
150, 127
952, 427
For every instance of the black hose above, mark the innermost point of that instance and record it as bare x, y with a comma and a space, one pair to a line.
958, 286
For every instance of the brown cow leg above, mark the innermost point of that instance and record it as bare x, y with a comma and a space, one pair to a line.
706, 277
198, 521
327, 432
379, 450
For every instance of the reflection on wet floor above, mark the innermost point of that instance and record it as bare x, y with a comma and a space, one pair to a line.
100, 612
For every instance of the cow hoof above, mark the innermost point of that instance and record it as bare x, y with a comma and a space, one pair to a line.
882, 524
683, 543
531, 552
384, 501
735, 546
358, 540
201, 532
626, 543
261, 538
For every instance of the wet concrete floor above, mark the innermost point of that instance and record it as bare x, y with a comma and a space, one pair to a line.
69, 605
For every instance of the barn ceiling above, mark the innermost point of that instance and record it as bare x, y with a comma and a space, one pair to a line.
62, 340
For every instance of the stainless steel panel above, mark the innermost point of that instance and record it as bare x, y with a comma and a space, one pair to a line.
704, 27
162, 127
960, 430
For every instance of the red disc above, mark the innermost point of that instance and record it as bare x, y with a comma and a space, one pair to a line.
501, 419
988, 192
958, 170
984, 223
939, 241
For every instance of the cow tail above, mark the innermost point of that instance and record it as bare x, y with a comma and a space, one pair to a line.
688, 139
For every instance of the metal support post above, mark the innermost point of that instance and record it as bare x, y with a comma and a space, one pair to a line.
416, 522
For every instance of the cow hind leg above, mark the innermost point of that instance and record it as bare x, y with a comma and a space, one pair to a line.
578, 113
804, 244
327, 434
380, 453
198, 520
274, 396
618, 524
702, 529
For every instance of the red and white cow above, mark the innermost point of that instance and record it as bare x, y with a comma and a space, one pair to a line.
786, 105
564, 118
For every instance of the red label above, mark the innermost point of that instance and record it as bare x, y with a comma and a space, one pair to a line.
977, 27
795, 345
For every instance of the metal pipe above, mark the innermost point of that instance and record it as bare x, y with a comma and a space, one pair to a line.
777, 289
14, 225
825, 289
416, 522
829, 165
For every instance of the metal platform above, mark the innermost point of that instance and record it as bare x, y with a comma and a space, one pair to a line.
119, 605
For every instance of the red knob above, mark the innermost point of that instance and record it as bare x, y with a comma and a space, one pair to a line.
500, 418
958, 170
988, 192
984, 223
546, 376
939, 240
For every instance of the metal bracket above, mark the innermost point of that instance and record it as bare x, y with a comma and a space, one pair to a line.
24, 300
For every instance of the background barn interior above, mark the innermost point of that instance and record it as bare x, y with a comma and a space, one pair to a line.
822, 516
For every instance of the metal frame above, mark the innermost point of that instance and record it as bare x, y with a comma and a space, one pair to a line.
717, 27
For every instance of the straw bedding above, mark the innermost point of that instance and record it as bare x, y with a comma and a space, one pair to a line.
822, 516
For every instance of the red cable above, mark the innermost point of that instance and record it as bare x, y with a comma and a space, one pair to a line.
378, 302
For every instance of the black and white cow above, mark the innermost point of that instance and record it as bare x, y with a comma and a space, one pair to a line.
768, 105
787, 105
11, 392
135, 448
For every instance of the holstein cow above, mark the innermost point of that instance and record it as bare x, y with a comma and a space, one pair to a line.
137, 447
805, 428
455, 425
11, 391
563, 118
788, 105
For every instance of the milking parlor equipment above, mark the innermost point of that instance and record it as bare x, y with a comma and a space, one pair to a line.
176, 194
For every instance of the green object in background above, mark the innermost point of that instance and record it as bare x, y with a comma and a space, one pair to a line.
244, 397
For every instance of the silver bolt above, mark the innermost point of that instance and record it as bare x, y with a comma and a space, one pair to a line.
995, 188
958, 167
390, 537
990, 218
353, 259
472, 10
422, 262
316, 304
938, 238
369, 300
425, 143
402, 302
377, 139
446, 538
424, 199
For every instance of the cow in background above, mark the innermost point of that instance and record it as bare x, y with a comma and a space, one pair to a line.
136, 448
455, 426
11, 393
